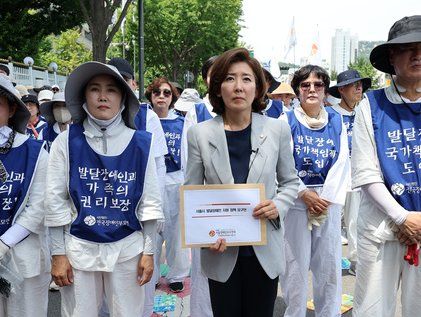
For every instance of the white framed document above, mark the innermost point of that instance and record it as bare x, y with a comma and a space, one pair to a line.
209, 212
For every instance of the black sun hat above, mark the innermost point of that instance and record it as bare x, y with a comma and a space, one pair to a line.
404, 31
348, 77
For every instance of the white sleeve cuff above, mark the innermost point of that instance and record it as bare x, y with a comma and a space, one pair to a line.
14, 235
57, 246
149, 236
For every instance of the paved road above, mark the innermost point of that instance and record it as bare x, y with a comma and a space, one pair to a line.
348, 283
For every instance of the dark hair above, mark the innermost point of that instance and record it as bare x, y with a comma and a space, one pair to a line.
221, 67
11, 102
156, 83
207, 65
304, 72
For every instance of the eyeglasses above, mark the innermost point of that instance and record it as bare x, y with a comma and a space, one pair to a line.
157, 92
318, 85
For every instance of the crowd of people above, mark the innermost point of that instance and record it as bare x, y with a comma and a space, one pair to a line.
90, 179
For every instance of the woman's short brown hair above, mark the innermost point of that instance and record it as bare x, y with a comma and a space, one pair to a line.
219, 73
156, 83
304, 72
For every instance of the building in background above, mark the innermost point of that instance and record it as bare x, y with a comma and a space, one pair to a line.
365, 48
344, 50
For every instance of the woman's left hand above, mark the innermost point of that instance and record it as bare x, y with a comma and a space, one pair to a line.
144, 269
266, 209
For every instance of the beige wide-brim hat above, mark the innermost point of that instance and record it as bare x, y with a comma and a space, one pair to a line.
46, 108
21, 117
283, 88
75, 91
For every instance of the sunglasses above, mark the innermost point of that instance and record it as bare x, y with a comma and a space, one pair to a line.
318, 85
157, 92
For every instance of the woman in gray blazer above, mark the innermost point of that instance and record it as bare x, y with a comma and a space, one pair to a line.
241, 146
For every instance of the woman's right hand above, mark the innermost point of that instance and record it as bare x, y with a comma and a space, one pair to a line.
315, 204
61, 270
219, 246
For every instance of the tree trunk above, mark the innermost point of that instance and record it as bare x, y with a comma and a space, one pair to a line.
98, 49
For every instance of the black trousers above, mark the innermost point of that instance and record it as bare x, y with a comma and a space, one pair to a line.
249, 292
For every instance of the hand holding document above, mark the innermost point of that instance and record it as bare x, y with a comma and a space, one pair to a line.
209, 212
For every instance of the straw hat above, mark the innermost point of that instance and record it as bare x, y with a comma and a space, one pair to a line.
283, 88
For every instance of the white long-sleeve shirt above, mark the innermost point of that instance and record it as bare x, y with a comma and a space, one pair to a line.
159, 145
31, 254
60, 210
378, 214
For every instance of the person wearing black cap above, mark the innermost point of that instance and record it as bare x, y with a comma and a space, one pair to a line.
35, 123
147, 120
23, 247
386, 164
350, 89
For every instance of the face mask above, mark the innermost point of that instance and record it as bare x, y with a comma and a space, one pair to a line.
62, 115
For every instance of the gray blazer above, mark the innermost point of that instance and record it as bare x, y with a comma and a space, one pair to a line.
271, 163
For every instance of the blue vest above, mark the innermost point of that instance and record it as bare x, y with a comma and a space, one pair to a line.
173, 129
20, 163
275, 110
106, 189
141, 116
349, 124
202, 113
315, 151
49, 135
397, 132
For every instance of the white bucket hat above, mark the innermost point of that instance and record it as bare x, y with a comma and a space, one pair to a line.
45, 95
188, 98
46, 108
21, 117
75, 91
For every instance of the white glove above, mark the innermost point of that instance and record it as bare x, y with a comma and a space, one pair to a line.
316, 220
3, 249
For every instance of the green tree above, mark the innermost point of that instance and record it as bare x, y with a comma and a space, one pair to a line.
181, 34
65, 49
104, 19
24, 23
333, 75
364, 67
